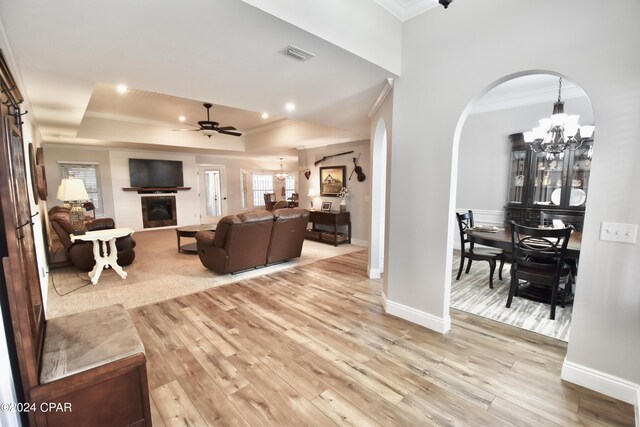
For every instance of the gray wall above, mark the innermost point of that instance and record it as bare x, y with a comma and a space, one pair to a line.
359, 201
483, 156
66, 153
442, 72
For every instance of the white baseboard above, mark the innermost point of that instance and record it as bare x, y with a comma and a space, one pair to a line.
610, 385
418, 317
359, 242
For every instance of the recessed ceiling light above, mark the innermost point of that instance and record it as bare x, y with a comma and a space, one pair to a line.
182, 118
265, 115
290, 106
122, 89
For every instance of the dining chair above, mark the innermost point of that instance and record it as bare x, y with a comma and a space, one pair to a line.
282, 204
472, 253
293, 200
269, 200
90, 208
539, 257
546, 220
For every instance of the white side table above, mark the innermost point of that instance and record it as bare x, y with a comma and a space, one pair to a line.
102, 238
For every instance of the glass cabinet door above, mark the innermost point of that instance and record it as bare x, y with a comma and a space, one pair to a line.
516, 177
548, 178
579, 175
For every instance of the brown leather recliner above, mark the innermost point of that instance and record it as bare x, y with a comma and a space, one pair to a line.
240, 242
287, 236
81, 253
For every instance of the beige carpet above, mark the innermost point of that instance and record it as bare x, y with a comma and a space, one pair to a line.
472, 294
158, 273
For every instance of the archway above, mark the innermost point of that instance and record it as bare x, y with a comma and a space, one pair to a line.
378, 201
482, 182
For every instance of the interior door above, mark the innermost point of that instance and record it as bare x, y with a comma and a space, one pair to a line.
213, 190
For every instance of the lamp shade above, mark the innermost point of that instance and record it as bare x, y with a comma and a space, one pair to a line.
60, 192
72, 189
313, 192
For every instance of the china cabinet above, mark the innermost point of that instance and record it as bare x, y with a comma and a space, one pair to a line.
557, 183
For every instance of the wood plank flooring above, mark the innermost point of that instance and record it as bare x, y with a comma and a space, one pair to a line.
311, 345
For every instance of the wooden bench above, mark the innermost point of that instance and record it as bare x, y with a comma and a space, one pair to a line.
94, 363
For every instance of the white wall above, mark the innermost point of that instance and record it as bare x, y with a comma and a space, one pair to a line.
124, 206
359, 201
443, 71
360, 26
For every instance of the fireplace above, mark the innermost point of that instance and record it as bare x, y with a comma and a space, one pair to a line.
159, 211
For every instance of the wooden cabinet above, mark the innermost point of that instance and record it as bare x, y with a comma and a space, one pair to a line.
556, 183
334, 222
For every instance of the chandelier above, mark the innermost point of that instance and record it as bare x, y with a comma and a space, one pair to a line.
558, 132
282, 175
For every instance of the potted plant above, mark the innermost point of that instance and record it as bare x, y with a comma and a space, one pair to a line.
343, 194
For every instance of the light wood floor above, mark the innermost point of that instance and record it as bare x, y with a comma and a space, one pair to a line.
312, 346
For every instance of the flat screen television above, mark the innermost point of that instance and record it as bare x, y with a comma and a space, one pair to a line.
155, 173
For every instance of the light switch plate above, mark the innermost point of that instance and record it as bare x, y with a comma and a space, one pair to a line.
615, 232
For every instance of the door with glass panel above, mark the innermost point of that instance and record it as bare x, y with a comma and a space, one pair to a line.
213, 190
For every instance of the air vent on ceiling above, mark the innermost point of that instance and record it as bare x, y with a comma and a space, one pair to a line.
297, 53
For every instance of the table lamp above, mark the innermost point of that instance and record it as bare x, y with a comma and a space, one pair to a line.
313, 193
72, 190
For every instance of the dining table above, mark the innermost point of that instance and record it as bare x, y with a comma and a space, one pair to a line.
500, 238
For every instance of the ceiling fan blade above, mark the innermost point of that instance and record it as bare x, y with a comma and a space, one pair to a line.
227, 128
185, 130
226, 132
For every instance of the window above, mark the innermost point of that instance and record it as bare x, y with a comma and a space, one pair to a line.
290, 186
262, 183
89, 174
243, 189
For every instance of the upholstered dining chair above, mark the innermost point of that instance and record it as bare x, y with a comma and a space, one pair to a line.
472, 253
282, 204
538, 256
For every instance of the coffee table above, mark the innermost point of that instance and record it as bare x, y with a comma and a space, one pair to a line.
190, 231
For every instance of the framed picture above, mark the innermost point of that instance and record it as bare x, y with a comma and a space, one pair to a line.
332, 179
326, 206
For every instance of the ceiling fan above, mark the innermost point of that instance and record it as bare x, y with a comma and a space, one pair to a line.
208, 127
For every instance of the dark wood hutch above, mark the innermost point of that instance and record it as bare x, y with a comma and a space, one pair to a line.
556, 183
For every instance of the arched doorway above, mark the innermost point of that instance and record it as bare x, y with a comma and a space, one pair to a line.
378, 201
486, 167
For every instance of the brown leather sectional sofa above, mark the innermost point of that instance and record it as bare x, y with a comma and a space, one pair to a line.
81, 253
253, 239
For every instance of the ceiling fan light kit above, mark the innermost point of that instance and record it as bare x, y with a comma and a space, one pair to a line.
209, 127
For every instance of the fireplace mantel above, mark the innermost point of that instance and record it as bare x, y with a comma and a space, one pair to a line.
156, 190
